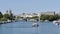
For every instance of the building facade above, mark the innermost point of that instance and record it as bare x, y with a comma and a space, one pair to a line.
48, 13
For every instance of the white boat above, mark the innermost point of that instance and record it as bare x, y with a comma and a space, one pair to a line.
59, 24
46, 20
56, 22
35, 25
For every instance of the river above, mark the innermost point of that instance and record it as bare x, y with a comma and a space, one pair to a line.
23, 27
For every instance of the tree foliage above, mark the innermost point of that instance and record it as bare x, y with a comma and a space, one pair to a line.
3, 19
50, 17
6, 16
1, 15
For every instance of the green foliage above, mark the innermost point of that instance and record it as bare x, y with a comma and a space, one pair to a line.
4, 19
11, 17
44, 17
18, 17
6, 16
50, 17
1, 15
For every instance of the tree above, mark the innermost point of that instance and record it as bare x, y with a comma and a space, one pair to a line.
6, 16
3, 19
51, 18
1, 15
44, 17
11, 15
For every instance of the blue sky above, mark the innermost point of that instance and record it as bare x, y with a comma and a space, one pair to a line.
29, 6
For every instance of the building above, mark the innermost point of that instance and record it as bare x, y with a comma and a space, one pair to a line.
58, 13
28, 15
48, 13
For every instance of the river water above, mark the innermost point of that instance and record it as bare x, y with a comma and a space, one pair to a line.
23, 27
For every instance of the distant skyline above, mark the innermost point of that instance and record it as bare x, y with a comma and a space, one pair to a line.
29, 6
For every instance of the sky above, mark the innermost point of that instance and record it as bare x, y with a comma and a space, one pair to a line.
29, 6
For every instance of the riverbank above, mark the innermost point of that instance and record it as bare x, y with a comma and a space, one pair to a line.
13, 21
9, 21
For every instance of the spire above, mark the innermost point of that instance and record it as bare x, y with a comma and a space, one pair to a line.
7, 12
10, 12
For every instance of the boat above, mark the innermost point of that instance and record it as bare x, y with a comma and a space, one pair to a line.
56, 22
35, 25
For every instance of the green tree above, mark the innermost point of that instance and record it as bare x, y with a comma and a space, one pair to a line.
1, 15
3, 19
51, 18
44, 17
11, 15
6, 16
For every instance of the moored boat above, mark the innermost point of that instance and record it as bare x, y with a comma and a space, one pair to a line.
56, 22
